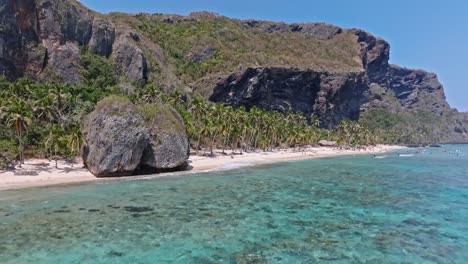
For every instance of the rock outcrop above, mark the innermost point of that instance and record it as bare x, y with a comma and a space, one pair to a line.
375, 54
316, 30
336, 96
330, 96
124, 139
41, 39
168, 146
128, 58
417, 89
103, 37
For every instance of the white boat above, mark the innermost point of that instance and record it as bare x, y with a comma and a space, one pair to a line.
405, 155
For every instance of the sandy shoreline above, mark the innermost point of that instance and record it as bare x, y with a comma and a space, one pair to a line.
48, 175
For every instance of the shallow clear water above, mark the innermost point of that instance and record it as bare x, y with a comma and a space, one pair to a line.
338, 210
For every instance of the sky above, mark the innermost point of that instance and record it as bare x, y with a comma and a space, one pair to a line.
423, 34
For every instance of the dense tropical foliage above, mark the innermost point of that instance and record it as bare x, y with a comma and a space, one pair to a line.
44, 120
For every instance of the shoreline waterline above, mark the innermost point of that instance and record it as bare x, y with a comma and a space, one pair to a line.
66, 175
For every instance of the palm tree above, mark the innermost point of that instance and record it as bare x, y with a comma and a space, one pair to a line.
151, 94
21, 88
75, 140
57, 95
315, 120
44, 109
17, 115
53, 141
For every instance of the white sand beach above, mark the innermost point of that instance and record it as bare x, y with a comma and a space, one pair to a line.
45, 173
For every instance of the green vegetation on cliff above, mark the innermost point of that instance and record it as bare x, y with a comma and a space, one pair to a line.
204, 47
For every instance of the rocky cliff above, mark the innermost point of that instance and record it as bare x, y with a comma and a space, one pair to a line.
318, 69
42, 38
333, 96
330, 96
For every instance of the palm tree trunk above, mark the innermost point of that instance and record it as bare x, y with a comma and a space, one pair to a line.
55, 156
20, 145
211, 144
225, 142
198, 143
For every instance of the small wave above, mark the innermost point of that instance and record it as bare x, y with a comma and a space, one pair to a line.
380, 157
229, 166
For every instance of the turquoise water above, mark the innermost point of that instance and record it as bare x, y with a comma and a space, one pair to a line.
338, 210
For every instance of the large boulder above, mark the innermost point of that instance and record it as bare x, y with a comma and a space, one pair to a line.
327, 143
116, 137
169, 145
124, 139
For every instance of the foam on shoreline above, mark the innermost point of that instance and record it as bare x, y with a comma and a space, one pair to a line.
48, 175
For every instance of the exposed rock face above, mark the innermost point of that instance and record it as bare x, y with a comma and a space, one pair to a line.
103, 37
330, 96
116, 140
168, 147
417, 88
128, 58
317, 30
64, 63
18, 29
375, 54
123, 139
40, 37
202, 55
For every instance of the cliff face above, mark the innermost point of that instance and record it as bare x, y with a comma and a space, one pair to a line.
318, 69
330, 96
334, 96
42, 38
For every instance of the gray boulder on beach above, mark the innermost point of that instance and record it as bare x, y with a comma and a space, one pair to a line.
326, 143
124, 139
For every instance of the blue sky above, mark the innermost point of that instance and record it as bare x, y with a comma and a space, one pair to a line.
426, 34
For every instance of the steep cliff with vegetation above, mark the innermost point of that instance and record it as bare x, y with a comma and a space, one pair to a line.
74, 56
